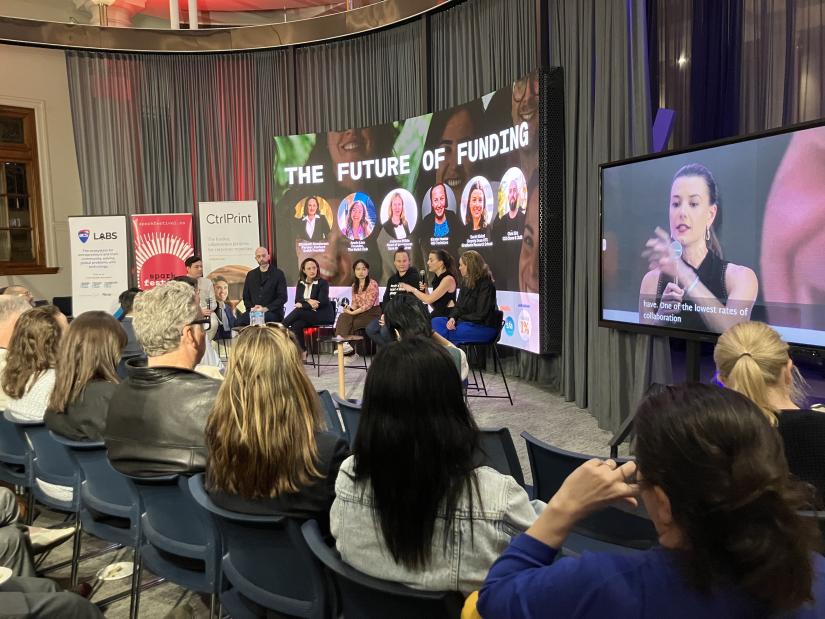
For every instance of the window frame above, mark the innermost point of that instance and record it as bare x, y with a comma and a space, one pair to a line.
27, 154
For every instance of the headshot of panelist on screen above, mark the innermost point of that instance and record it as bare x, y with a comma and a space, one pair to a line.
689, 284
397, 226
475, 218
440, 222
313, 226
359, 226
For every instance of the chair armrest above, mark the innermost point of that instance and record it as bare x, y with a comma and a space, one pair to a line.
77, 444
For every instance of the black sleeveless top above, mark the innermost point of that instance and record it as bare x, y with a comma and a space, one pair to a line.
440, 309
712, 274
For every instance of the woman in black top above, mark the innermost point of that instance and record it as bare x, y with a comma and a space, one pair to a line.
442, 298
752, 359
313, 226
312, 304
86, 377
689, 285
475, 318
267, 449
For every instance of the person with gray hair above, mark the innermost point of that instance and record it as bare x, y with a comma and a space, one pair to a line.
11, 306
168, 324
16, 290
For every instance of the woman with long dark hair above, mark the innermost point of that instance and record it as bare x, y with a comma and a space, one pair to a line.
411, 504
86, 376
713, 477
312, 304
442, 299
689, 284
363, 308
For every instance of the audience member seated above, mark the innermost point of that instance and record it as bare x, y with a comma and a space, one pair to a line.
404, 273
406, 318
267, 452
86, 377
210, 364
442, 298
20, 291
41, 598
752, 359
410, 504
223, 318
28, 378
127, 301
157, 416
363, 308
312, 304
713, 477
10, 309
473, 319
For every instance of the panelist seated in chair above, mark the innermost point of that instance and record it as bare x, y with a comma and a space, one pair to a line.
713, 477
157, 416
271, 455
411, 504
312, 304
264, 289
474, 318
86, 376
223, 316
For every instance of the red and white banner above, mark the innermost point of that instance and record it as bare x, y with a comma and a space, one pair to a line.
161, 243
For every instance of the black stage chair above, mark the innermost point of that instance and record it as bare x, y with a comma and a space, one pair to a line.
477, 388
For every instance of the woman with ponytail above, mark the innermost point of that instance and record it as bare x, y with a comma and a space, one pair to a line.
713, 477
752, 359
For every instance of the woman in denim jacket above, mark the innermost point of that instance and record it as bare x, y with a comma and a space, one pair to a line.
411, 505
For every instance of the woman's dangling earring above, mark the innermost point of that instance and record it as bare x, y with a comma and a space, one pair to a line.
707, 233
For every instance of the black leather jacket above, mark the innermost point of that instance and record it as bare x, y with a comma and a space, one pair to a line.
157, 419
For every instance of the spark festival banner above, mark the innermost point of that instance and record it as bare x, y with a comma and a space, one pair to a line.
100, 262
461, 179
161, 243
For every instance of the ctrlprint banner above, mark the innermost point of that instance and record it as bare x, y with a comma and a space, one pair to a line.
161, 244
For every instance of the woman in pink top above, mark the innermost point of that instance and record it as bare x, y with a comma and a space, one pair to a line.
364, 307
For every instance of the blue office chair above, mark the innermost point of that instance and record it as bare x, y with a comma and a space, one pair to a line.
351, 412
365, 597
180, 542
267, 563
331, 413
15, 458
498, 452
109, 508
52, 463
612, 528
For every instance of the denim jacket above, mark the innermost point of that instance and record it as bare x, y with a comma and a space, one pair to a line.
502, 512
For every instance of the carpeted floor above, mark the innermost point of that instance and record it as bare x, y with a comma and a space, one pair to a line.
538, 411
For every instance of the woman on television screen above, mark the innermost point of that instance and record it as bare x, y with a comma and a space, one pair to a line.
313, 226
475, 219
689, 284
396, 225
359, 226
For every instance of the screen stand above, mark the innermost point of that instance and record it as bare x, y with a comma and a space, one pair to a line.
693, 356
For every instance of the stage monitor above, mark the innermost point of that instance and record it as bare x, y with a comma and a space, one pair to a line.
466, 178
696, 241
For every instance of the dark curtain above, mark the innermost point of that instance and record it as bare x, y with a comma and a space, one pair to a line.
159, 133
603, 49
715, 63
367, 80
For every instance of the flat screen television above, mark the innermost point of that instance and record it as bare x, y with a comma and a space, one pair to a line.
695, 241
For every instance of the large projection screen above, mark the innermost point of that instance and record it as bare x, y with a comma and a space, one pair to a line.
696, 241
432, 170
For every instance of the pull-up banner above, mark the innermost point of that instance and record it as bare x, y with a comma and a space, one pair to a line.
100, 262
161, 243
229, 236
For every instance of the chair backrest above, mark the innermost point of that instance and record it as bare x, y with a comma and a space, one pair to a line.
267, 560
174, 523
103, 489
820, 519
351, 412
365, 597
52, 462
499, 452
498, 317
550, 466
13, 447
331, 414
